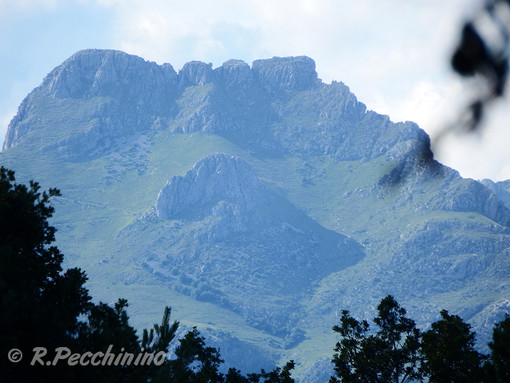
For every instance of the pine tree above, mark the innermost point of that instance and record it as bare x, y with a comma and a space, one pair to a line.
449, 351
107, 329
195, 362
156, 340
392, 354
39, 304
498, 366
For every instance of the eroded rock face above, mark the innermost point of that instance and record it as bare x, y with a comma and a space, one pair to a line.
287, 73
118, 94
94, 73
102, 95
278, 103
470, 195
235, 73
500, 189
195, 73
220, 235
217, 184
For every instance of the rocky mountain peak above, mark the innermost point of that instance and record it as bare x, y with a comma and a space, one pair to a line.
500, 189
129, 94
286, 73
134, 95
214, 181
235, 73
196, 73
91, 73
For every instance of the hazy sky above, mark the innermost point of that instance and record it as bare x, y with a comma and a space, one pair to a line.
393, 54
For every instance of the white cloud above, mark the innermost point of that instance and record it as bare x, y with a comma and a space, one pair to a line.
482, 154
177, 31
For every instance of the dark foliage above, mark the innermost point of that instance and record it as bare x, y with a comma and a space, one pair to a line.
195, 362
42, 306
390, 355
448, 348
484, 55
398, 352
498, 364
39, 305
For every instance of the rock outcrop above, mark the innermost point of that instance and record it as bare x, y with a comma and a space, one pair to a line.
98, 73
218, 234
500, 189
195, 73
470, 195
235, 74
119, 94
214, 181
103, 95
287, 73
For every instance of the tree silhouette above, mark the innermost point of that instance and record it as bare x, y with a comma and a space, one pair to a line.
498, 365
392, 354
448, 348
195, 362
39, 304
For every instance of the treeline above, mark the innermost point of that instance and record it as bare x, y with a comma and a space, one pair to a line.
51, 331
397, 351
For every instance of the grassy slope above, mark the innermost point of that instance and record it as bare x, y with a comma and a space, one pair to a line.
103, 195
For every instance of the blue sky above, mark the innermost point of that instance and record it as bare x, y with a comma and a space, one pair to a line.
393, 54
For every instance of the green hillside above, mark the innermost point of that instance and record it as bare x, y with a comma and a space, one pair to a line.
353, 207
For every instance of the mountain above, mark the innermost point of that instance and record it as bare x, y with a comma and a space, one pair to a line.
258, 202
218, 235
